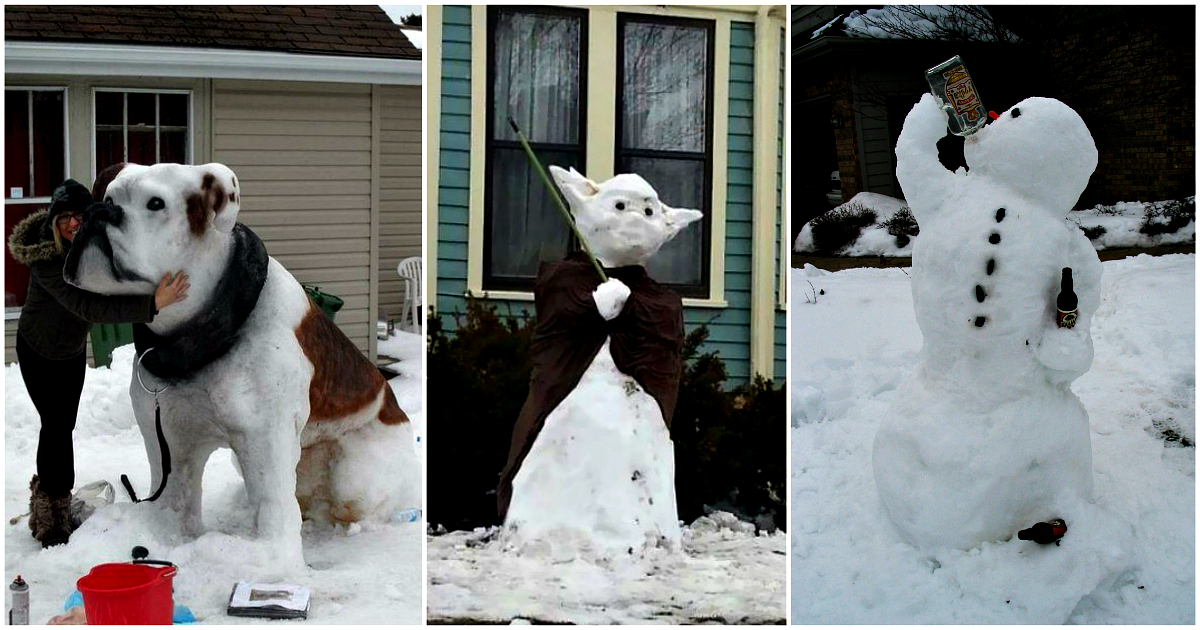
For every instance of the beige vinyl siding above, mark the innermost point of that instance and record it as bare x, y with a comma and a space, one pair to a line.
399, 189
302, 153
10, 341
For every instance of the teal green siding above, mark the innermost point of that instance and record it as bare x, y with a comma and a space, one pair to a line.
454, 162
729, 328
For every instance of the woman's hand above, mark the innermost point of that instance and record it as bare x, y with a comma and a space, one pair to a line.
171, 289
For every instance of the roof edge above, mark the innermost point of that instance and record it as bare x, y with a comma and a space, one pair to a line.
25, 57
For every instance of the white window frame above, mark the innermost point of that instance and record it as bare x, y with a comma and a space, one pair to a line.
66, 135
191, 123
12, 313
600, 146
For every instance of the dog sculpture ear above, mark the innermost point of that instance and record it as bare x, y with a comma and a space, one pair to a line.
106, 177
679, 218
219, 196
574, 186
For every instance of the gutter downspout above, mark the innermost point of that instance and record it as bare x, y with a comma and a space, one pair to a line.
766, 121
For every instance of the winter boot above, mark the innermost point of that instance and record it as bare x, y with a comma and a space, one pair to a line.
49, 517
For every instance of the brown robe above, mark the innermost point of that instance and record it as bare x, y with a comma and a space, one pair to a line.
647, 344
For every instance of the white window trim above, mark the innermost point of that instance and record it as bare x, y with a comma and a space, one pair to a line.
601, 145
66, 135
191, 139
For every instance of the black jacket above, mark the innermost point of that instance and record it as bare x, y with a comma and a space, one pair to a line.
56, 317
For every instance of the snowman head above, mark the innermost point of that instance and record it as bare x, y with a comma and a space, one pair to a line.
1039, 147
622, 220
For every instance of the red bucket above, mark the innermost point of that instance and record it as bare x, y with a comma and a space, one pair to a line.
128, 594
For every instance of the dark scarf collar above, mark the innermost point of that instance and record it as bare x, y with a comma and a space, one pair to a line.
214, 330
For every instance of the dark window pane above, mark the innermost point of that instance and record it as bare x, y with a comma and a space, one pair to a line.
141, 109
680, 184
48, 148
110, 108
664, 85
526, 225
141, 146
173, 110
536, 76
16, 276
173, 147
16, 142
110, 149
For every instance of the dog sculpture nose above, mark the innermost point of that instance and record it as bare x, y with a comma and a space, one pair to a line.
104, 211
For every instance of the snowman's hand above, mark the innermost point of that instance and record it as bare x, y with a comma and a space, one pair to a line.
1065, 352
610, 298
923, 178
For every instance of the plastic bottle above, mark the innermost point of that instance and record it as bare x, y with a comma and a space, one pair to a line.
956, 93
18, 613
1068, 302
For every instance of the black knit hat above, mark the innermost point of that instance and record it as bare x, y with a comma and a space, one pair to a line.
70, 196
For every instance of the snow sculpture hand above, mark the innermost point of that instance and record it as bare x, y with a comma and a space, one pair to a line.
610, 298
1066, 353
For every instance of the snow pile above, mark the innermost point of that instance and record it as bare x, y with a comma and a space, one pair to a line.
985, 437
723, 573
874, 239
571, 481
365, 573
851, 352
1122, 223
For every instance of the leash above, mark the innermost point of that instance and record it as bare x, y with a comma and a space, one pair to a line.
163, 449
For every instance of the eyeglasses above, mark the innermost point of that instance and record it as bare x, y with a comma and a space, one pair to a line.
67, 217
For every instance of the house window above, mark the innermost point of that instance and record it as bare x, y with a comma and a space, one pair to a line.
535, 76
664, 131
35, 163
142, 127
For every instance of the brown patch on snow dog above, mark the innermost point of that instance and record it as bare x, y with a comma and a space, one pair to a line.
343, 381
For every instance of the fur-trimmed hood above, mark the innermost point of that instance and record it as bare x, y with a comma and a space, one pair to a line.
30, 243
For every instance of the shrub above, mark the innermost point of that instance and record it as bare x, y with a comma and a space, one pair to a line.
1093, 232
1109, 210
838, 228
730, 446
1168, 217
902, 225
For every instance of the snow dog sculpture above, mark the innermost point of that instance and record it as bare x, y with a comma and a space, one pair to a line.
591, 457
246, 362
986, 437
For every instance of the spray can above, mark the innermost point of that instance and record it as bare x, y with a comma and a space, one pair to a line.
18, 613
956, 93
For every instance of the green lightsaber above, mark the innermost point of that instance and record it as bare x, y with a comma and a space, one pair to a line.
541, 171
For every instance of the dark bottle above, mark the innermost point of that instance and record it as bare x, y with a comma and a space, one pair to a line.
1068, 303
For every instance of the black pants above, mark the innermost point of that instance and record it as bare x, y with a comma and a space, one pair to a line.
55, 387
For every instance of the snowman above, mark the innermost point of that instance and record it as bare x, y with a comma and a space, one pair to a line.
591, 460
986, 437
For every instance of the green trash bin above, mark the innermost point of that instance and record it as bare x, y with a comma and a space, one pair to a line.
109, 337
328, 303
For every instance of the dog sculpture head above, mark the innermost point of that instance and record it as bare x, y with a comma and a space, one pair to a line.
147, 220
622, 219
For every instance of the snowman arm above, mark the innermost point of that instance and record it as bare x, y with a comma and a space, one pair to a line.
610, 298
923, 179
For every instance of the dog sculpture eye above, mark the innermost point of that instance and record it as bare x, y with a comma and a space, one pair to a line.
620, 205
156, 203
649, 212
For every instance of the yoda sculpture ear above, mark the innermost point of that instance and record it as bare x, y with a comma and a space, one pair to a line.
575, 187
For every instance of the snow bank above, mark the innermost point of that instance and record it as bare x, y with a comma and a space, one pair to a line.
724, 574
851, 350
365, 573
1121, 223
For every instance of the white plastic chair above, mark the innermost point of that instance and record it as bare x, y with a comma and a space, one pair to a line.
411, 271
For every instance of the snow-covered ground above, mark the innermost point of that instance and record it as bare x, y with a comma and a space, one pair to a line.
853, 348
368, 573
724, 574
1121, 223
